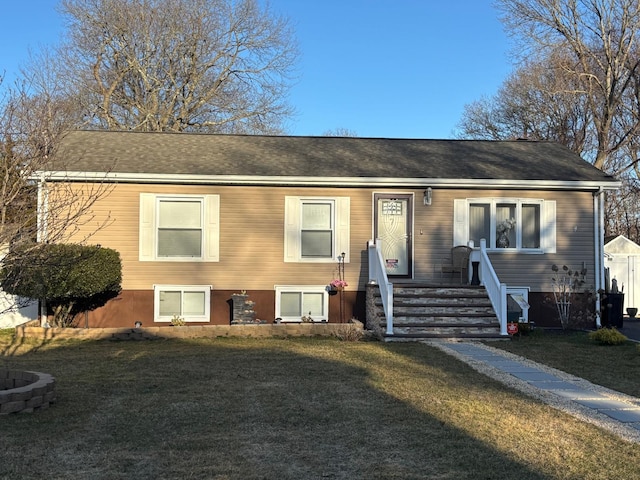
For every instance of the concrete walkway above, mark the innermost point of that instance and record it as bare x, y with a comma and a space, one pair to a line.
614, 411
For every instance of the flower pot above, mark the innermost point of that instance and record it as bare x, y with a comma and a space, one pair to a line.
632, 312
502, 241
332, 291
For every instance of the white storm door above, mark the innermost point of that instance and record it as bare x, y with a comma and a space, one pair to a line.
393, 216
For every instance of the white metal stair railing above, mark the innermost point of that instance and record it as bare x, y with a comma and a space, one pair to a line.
378, 274
497, 291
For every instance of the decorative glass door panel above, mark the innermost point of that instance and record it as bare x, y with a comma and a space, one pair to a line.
393, 228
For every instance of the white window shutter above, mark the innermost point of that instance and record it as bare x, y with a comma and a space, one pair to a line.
460, 222
343, 214
548, 227
291, 229
147, 236
212, 228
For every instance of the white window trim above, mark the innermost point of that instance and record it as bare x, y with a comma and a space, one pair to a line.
293, 224
197, 288
547, 223
148, 239
303, 289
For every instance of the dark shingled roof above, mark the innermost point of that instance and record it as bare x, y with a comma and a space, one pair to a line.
202, 154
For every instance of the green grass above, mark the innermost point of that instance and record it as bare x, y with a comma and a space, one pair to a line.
613, 366
288, 409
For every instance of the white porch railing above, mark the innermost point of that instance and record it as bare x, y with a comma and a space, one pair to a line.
497, 291
378, 274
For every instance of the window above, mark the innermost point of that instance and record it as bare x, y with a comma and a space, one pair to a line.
525, 225
479, 222
316, 229
189, 302
292, 302
316, 234
531, 226
179, 227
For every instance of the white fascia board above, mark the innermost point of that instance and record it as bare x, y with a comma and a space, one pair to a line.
190, 179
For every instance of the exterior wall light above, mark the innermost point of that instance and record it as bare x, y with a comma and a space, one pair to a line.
427, 196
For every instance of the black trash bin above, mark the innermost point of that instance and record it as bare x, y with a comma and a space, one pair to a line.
613, 310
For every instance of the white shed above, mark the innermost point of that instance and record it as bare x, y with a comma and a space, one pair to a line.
622, 258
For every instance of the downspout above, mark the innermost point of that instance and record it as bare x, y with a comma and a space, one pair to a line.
598, 238
41, 235
43, 205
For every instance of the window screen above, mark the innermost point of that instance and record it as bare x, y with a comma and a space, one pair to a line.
179, 228
317, 230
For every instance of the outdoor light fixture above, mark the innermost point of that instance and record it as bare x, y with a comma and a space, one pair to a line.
427, 196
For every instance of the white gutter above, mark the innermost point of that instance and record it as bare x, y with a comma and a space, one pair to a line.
328, 181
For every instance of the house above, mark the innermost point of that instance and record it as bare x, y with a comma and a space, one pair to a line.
15, 311
197, 218
622, 258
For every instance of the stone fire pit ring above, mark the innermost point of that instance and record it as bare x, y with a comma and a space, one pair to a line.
25, 392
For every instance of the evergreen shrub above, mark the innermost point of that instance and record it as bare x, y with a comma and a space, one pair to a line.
608, 336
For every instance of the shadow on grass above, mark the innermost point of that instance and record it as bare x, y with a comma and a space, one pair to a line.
238, 408
13, 345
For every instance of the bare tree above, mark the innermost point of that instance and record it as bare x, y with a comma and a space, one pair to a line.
539, 101
339, 132
32, 124
621, 208
532, 103
578, 83
185, 65
599, 39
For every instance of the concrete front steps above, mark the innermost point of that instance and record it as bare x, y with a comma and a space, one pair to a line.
440, 311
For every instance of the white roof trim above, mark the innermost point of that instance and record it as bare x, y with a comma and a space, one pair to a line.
325, 181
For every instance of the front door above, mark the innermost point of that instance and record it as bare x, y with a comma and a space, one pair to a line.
392, 225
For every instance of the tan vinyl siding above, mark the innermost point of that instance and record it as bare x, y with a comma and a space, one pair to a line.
252, 237
573, 210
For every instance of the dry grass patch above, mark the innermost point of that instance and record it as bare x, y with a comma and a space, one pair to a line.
289, 409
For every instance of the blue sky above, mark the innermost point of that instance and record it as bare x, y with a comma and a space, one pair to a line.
380, 68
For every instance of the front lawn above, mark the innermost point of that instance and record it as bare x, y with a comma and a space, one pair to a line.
288, 409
